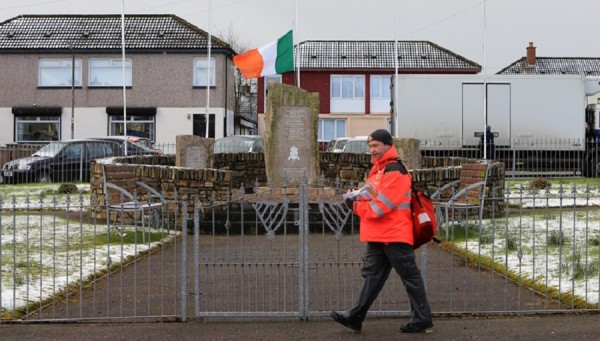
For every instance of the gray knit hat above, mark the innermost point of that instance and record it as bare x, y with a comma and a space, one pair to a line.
382, 135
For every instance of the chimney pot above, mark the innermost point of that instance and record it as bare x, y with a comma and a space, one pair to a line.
531, 58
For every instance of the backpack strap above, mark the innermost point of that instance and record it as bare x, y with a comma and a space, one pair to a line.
396, 165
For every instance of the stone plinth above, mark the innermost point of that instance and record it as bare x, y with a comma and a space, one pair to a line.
193, 152
410, 152
291, 148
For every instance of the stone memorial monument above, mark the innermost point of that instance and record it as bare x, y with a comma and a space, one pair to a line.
193, 151
291, 148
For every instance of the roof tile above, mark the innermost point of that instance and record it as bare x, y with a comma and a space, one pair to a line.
144, 32
380, 55
554, 66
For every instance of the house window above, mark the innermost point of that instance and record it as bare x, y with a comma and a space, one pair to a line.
348, 93
142, 126
58, 72
270, 80
380, 87
37, 128
348, 86
330, 129
201, 71
106, 72
380, 93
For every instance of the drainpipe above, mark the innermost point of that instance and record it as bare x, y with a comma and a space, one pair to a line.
226, 65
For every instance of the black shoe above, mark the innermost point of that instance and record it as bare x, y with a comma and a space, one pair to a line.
346, 322
412, 327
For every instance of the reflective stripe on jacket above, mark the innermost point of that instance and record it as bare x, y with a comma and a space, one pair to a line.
387, 217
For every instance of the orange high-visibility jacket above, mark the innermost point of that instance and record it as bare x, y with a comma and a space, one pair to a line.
387, 217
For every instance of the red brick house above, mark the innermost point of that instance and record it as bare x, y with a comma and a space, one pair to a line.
353, 80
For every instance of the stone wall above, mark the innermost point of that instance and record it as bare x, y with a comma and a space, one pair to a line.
175, 183
236, 171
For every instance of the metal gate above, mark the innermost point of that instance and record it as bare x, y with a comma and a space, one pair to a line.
303, 258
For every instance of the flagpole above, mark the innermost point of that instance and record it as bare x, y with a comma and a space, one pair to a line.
297, 44
485, 122
394, 116
208, 71
123, 75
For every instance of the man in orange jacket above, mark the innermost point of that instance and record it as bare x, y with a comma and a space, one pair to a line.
386, 227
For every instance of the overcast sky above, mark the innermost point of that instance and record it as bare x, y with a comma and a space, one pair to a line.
557, 28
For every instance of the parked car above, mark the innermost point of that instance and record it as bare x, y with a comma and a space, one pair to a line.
146, 142
135, 145
356, 145
239, 144
337, 145
60, 161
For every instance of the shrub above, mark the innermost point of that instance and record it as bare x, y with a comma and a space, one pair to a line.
539, 183
67, 189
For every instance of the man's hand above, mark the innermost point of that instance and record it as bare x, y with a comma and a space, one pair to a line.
349, 202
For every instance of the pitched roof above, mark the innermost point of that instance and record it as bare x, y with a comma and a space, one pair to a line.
554, 66
101, 32
413, 55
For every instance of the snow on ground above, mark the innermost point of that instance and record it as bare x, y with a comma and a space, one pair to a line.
529, 242
42, 253
44, 263
50, 252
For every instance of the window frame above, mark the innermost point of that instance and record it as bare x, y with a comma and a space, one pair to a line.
356, 81
201, 81
116, 124
115, 65
25, 121
59, 65
380, 102
378, 80
321, 128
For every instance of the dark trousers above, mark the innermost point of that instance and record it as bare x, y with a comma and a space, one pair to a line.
378, 263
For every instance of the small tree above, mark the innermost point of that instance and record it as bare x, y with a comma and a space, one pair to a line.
244, 99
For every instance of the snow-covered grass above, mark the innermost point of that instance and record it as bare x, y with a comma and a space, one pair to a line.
549, 236
42, 252
34, 195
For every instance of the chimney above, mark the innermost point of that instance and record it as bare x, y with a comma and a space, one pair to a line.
531, 54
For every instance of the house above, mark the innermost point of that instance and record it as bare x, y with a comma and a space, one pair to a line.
353, 80
531, 64
164, 65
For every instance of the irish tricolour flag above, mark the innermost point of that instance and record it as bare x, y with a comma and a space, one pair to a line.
274, 58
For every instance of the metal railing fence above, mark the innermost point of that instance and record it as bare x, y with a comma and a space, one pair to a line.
298, 255
60, 261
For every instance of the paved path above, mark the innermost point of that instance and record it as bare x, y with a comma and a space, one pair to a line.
541, 327
538, 327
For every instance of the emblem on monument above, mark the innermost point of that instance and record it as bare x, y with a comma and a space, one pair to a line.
293, 153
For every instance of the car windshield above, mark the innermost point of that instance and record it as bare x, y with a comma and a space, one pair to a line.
340, 144
237, 145
143, 142
356, 146
50, 149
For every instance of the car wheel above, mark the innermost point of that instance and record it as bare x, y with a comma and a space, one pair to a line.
44, 177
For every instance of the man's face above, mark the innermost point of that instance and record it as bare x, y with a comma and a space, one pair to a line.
377, 148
